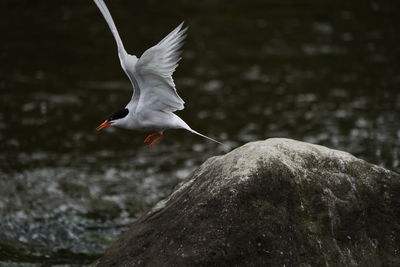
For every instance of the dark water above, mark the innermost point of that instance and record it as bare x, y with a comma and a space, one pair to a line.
325, 72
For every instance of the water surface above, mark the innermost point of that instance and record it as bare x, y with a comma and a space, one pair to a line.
322, 72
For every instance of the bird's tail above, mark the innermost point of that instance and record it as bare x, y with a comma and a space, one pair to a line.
183, 125
209, 138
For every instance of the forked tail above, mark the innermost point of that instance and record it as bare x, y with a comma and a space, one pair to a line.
209, 138
183, 125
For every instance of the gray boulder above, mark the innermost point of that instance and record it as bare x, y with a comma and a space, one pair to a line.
277, 202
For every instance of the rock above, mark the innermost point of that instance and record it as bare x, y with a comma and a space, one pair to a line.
277, 202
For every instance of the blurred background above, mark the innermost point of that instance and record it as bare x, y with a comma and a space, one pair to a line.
325, 72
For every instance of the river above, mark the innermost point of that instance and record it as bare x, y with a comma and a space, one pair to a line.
325, 72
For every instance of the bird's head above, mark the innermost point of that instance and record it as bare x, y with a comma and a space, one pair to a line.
117, 118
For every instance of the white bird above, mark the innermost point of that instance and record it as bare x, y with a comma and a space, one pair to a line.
154, 96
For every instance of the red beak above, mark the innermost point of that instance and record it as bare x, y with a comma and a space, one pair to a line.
103, 125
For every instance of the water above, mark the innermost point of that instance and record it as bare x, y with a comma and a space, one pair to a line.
322, 72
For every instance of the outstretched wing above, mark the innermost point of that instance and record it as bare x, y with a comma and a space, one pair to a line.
127, 61
153, 73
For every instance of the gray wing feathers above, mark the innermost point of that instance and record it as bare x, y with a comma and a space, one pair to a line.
151, 75
154, 72
107, 16
127, 61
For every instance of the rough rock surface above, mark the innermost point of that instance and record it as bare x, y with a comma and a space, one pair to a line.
277, 202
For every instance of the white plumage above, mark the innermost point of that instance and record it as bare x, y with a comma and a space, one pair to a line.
154, 96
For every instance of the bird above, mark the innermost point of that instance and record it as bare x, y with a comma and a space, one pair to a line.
154, 99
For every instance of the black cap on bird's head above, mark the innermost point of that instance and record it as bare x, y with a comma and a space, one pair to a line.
117, 115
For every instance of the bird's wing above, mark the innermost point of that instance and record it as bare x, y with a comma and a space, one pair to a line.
127, 61
153, 73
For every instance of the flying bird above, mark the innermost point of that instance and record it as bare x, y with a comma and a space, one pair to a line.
154, 98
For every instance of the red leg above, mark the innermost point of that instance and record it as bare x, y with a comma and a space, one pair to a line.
156, 140
148, 138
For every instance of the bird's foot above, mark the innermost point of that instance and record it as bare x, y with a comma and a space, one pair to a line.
156, 140
148, 138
